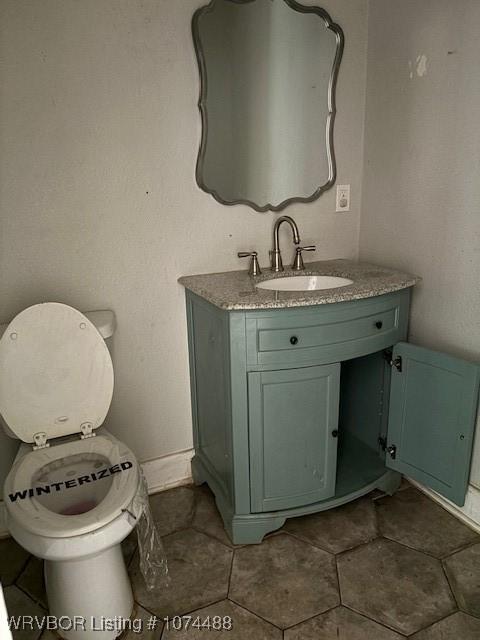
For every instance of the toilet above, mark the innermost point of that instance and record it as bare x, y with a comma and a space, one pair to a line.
74, 491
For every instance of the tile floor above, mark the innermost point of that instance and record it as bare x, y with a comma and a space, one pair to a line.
381, 568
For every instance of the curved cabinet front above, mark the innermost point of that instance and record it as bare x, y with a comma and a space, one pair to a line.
327, 333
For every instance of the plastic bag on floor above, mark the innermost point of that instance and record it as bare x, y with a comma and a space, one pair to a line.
153, 561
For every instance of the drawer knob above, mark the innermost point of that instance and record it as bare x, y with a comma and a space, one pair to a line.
294, 340
335, 433
379, 324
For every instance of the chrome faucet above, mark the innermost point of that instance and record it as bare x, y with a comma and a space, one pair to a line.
276, 263
254, 268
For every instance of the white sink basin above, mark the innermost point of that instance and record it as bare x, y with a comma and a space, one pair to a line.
304, 283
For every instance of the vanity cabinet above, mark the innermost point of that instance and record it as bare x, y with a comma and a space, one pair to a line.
298, 410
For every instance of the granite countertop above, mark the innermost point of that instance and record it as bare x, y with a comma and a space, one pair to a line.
236, 290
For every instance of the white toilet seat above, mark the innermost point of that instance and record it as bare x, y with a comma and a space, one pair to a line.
39, 520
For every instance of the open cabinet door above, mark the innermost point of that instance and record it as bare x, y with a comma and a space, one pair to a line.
433, 406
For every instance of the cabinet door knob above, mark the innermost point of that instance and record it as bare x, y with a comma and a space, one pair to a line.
379, 324
335, 433
294, 340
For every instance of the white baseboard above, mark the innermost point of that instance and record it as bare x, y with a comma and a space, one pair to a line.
169, 471
468, 514
163, 473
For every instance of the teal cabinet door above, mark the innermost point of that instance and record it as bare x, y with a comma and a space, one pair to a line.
293, 422
433, 407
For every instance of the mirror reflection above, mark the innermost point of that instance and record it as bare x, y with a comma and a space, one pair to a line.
268, 72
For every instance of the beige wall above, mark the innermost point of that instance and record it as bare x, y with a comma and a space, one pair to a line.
421, 195
99, 208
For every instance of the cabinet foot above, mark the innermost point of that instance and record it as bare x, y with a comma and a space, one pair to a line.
242, 529
252, 529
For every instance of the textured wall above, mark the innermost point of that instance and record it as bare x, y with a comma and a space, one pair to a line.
421, 194
99, 208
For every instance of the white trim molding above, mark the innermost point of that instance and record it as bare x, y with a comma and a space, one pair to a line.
469, 514
173, 470
169, 471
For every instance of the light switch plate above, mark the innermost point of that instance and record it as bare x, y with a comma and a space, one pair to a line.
343, 198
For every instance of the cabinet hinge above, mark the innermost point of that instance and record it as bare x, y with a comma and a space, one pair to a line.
393, 362
391, 450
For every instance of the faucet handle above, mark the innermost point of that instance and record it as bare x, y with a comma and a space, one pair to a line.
254, 269
298, 260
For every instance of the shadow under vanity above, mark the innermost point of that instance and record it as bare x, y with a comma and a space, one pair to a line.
303, 401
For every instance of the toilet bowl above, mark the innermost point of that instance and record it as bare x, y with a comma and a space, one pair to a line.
74, 491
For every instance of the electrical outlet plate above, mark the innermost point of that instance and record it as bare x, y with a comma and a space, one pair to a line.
343, 198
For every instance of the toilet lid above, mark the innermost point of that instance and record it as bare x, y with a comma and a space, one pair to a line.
56, 373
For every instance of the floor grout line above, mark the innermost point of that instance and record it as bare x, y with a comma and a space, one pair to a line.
381, 624
406, 546
317, 615
253, 613
359, 546
23, 567
450, 586
437, 587
215, 539
230, 574
429, 626
298, 537
25, 593
338, 580
460, 549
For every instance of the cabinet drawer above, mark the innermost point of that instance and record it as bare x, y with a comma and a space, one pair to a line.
327, 333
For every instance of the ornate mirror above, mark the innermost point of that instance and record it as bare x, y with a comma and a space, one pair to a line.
268, 72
